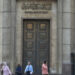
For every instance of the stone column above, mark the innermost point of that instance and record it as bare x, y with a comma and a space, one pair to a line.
73, 27
60, 36
1, 5
8, 32
19, 31
73, 31
53, 38
13, 34
66, 37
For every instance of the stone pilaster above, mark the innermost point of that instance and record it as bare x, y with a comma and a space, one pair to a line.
53, 40
8, 32
59, 34
73, 32
1, 5
73, 27
66, 37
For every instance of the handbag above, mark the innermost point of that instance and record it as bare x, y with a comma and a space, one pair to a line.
2, 72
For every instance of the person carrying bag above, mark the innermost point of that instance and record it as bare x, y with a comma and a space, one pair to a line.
28, 72
29, 69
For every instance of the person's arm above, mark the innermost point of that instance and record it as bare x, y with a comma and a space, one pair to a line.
31, 69
9, 70
25, 69
44, 67
1, 70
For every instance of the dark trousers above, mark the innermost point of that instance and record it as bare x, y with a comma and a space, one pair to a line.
17, 73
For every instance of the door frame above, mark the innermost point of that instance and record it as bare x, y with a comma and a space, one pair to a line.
22, 20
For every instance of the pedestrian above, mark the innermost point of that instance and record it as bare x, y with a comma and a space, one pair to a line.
18, 70
44, 68
5, 69
29, 69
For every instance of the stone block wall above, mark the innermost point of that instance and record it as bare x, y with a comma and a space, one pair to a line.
64, 40
7, 31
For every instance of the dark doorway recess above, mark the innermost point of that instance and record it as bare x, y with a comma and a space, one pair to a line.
36, 43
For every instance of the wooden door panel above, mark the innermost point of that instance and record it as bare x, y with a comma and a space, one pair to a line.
36, 43
29, 43
42, 43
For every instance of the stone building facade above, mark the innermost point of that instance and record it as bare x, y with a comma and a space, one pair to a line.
59, 15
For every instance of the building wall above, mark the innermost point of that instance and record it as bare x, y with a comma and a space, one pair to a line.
7, 31
67, 37
1, 30
61, 36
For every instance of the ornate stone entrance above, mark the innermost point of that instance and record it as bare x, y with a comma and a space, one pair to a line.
36, 36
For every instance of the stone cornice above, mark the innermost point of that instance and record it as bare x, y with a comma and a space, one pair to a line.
36, 0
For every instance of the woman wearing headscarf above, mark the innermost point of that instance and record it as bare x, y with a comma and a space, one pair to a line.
5, 69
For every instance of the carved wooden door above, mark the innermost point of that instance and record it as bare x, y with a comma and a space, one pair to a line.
36, 45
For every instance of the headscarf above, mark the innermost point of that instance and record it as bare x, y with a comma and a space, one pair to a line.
5, 63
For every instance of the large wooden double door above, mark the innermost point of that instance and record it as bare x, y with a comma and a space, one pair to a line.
36, 38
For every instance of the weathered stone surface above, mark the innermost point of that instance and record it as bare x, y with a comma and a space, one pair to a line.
67, 6
66, 54
7, 5
66, 36
0, 36
59, 50
67, 20
0, 53
73, 6
1, 5
6, 36
13, 5
5, 53
67, 69
73, 21
59, 20
6, 20
0, 19
59, 35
